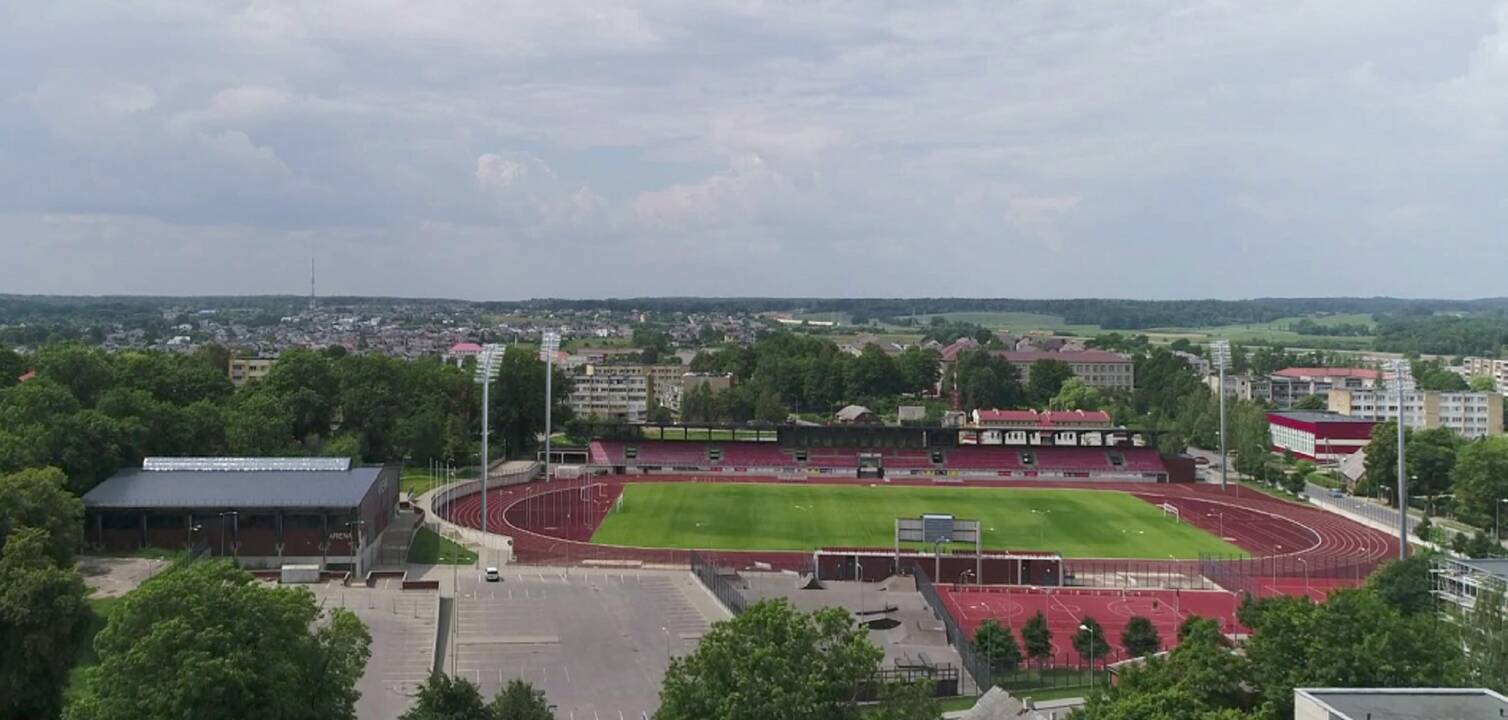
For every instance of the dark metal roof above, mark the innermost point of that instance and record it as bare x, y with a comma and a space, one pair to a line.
218, 489
1411, 703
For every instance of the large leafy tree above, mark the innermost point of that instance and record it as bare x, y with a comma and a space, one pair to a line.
518, 400
983, 379
1090, 641
519, 700
43, 615
998, 646
205, 640
1037, 637
1406, 585
1199, 680
1140, 637
1045, 379
1480, 477
1431, 456
443, 697
772, 661
1077, 395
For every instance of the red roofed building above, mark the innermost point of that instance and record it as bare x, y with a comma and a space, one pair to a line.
1047, 419
1321, 437
460, 351
1290, 385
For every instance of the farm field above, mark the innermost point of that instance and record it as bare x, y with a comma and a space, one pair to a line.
738, 516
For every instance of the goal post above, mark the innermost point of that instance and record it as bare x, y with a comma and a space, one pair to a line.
1171, 510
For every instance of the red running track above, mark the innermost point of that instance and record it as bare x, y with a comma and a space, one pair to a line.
1066, 608
554, 522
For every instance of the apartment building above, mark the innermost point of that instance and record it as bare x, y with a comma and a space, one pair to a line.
1288, 386
1242, 387
624, 391
245, 370
1470, 414
1098, 368
1488, 367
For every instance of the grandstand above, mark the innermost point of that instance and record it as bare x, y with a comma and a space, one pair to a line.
883, 452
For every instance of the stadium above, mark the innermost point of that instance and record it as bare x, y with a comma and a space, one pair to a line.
1084, 516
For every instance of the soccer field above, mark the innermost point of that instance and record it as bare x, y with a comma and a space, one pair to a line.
748, 516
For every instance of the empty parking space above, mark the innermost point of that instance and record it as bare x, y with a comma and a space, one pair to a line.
403, 626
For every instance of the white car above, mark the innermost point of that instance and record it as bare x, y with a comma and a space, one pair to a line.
491, 575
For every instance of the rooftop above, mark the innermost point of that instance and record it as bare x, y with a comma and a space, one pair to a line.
1498, 567
1407, 703
224, 483
1048, 418
1316, 416
1322, 372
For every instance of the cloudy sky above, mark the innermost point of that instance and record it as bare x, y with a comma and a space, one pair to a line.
493, 149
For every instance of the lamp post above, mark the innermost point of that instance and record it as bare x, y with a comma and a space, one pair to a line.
196, 527
1086, 626
549, 343
356, 546
666, 630
1306, 573
487, 367
1220, 355
859, 573
1403, 382
233, 514
937, 557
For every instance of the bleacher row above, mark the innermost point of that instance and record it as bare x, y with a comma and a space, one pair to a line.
758, 456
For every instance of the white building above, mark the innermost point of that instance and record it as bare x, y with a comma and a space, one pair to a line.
611, 391
1488, 367
1470, 414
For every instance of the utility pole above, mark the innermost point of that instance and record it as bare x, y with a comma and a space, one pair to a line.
1403, 383
1220, 355
487, 368
549, 344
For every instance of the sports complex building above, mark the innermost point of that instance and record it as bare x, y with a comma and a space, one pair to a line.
990, 523
265, 512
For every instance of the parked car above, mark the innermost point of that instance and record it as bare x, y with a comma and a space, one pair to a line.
492, 575
1337, 492
1201, 460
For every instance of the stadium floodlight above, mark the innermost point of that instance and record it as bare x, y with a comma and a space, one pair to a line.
1220, 356
1403, 384
549, 344
488, 363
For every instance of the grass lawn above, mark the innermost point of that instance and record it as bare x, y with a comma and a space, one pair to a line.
429, 548
732, 516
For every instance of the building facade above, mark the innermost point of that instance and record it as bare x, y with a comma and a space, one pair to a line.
245, 370
1031, 419
1288, 386
1098, 368
1242, 387
1488, 367
620, 392
1469, 414
1324, 438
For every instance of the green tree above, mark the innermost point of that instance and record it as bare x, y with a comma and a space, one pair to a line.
772, 661
519, 700
1310, 402
1140, 637
985, 380
1381, 465
206, 640
1037, 638
873, 374
905, 701
1485, 636
998, 646
1406, 585
1089, 641
43, 615
83, 370
442, 697
1200, 679
518, 407
1045, 379
1077, 395
768, 408
1480, 479
12, 367
1430, 458
1482, 383
919, 369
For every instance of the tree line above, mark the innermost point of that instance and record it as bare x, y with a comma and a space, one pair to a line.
89, 412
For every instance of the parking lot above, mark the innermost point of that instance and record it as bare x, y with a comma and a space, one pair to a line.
403, 626
597, 642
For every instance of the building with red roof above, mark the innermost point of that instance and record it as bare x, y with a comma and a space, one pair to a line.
1318, 436
1048, 419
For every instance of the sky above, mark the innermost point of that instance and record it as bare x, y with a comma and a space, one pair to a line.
493, 149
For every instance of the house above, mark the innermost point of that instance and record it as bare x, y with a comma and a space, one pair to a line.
856, 415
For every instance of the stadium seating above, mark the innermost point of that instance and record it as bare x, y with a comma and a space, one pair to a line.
689, 454
1143, 460
984, 458
755, 455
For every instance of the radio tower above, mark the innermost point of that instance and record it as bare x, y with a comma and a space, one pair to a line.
313, 299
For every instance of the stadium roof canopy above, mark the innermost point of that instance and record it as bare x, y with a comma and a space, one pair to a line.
235, 483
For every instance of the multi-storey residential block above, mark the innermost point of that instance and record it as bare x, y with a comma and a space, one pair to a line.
1470, 414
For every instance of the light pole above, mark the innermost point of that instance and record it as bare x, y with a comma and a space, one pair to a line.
487, 368
233, 514
196, 527
549, 343
859, 573
937, 557
1403, 382
356, 538
666, 630
1220, 355
1306, 573
1086, 626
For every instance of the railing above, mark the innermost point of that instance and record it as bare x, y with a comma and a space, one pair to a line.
974, 665
1383, 515
1262, 576
707, 572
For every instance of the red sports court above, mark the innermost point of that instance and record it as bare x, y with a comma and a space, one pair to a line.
1066, 608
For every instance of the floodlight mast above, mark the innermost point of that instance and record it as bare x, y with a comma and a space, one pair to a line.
487, 367
549, 344
1220, 354
1403, 382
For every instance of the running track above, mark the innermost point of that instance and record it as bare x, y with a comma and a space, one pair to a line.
553, 522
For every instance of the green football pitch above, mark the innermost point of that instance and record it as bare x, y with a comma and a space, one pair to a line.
748, 516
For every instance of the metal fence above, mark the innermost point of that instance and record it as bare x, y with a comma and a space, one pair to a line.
1135, 574
944, 679
1360, 507
1287, 573
707, 572
976, 668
